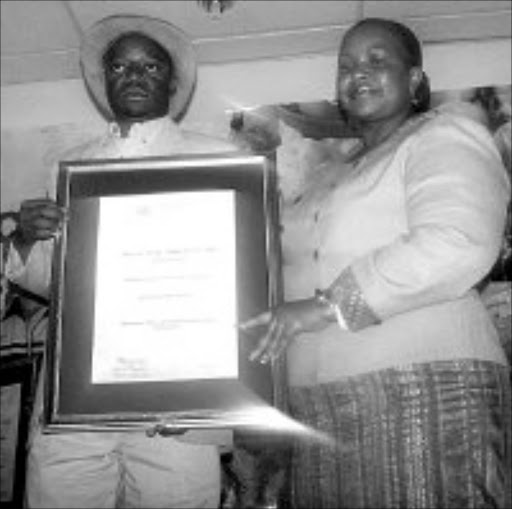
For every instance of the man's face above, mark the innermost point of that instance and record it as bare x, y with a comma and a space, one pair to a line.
138, 78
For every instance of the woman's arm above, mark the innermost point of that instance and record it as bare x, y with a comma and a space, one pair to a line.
456, 192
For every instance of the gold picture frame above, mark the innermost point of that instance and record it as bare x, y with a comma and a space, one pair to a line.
74, 400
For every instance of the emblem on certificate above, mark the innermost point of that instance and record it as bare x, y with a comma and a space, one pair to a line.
159, 261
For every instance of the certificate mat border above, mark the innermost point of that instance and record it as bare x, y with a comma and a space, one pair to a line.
122, 406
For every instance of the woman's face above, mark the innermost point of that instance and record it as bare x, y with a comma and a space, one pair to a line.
374, 83
138, 78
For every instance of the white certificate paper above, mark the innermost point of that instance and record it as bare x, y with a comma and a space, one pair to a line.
165, 297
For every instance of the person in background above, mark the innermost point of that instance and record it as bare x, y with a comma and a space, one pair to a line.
141, 73
389, 348
497, 289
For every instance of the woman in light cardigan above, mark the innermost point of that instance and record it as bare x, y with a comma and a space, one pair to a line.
389, 348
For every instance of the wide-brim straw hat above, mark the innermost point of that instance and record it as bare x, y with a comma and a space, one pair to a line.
99, 37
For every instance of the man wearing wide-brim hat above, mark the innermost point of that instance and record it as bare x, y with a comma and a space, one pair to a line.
172, 39
141, 74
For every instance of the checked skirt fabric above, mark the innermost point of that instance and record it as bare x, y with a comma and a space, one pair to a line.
435, 435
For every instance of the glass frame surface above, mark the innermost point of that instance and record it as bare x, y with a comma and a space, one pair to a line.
72, 401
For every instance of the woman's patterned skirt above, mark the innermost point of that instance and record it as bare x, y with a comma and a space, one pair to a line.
435, 435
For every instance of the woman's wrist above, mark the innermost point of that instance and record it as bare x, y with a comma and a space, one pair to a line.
324, 308
332, 310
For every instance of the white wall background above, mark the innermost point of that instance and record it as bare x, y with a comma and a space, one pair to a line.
35, 115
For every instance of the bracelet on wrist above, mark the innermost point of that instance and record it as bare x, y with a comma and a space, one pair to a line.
323, 297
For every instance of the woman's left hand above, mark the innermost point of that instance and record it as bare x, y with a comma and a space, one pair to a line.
283, 324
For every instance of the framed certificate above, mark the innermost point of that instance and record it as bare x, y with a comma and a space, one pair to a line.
158, 262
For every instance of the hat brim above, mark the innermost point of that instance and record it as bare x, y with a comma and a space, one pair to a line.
174, 40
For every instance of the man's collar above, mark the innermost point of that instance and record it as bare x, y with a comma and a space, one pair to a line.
146, 128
